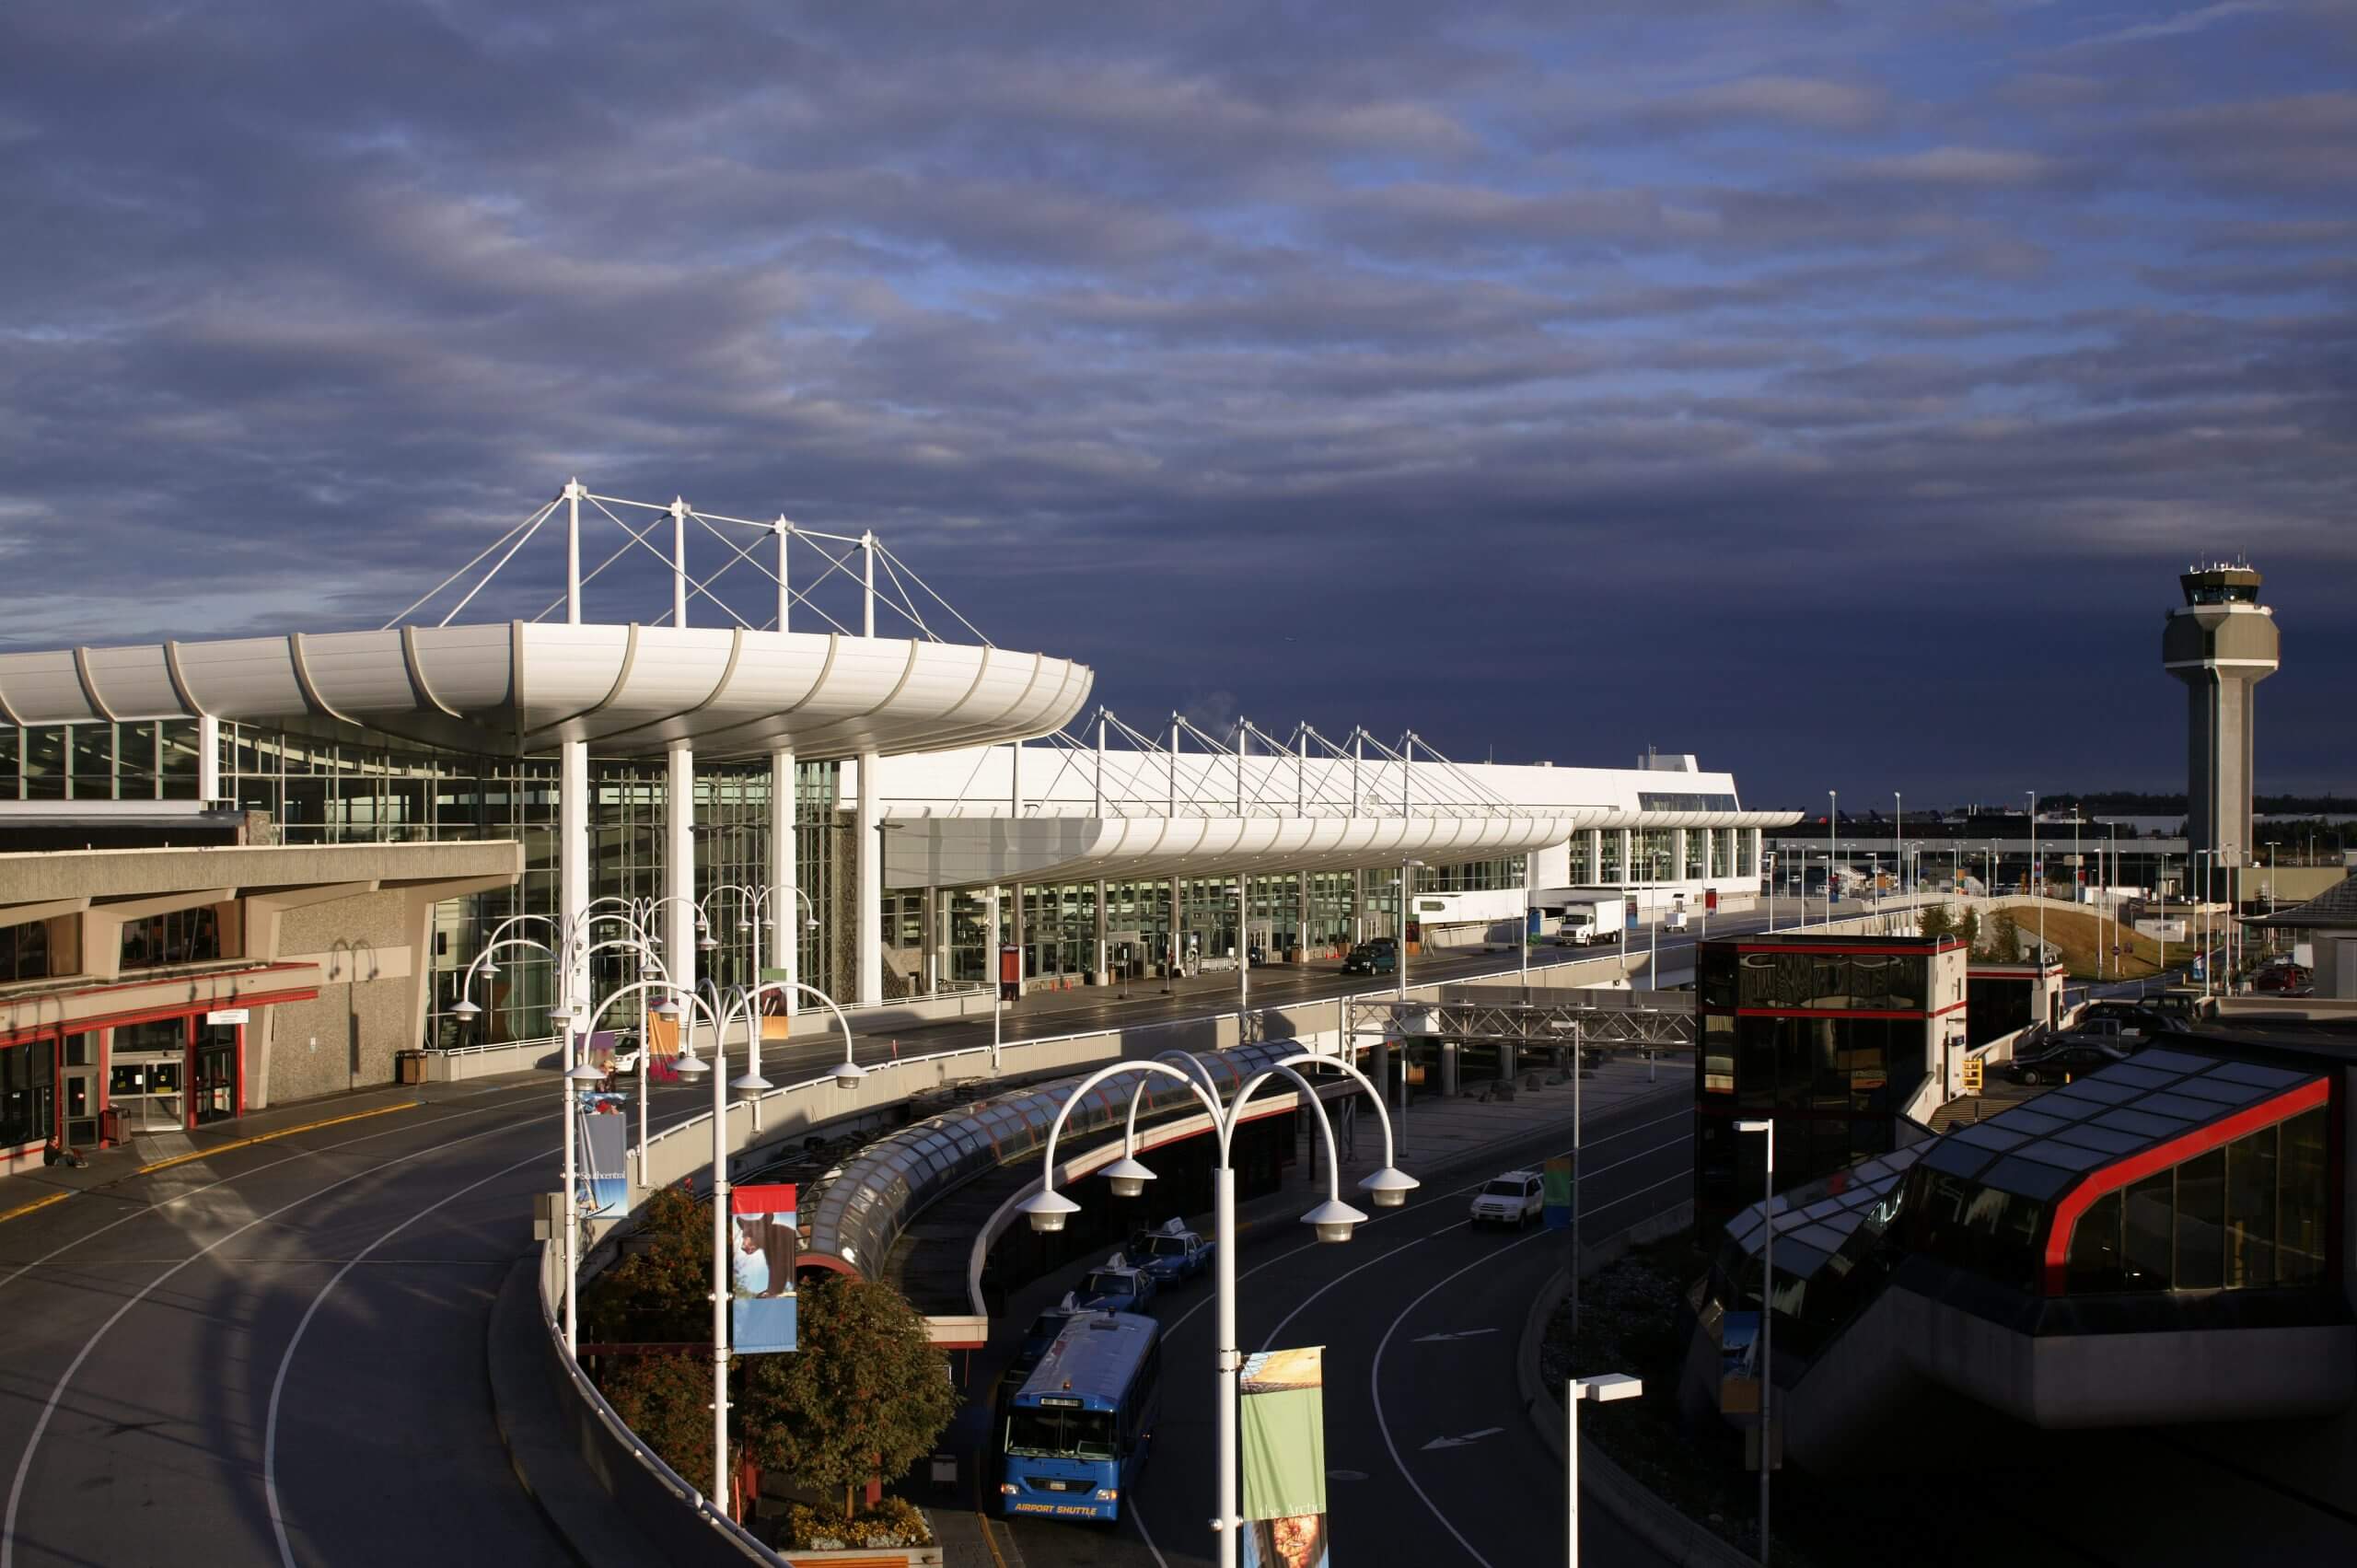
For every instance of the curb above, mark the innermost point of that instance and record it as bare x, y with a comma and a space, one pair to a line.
585, 1519
1678, 1539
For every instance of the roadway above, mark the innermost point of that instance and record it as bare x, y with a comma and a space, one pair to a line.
274, 1353
1431, 1458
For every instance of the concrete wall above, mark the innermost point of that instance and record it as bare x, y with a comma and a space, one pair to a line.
348, 1035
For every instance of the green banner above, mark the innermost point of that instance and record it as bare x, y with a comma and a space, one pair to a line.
1283, 1422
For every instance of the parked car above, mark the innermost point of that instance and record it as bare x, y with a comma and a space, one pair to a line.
2284, 979
1041, 1335
1114, 1286
1369, 958
1512, 1198
2066, 1057
1170, 1254
2128, 1018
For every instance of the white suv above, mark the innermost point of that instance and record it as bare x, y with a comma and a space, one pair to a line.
1513, 1198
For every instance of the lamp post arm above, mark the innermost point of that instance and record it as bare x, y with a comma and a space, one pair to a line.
840, 1022
1389, 1155
1325, 1124
1180, 1059
1056, 1128
468, 984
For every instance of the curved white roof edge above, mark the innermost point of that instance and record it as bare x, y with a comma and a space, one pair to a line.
519, 686
945, 852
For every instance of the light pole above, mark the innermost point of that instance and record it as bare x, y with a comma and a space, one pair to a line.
1898, 836
756, 901
1331, 1221
2037, 887
1832, 816
1767, 1131
1653, 959
1600, 1389
1400, 970
570, 936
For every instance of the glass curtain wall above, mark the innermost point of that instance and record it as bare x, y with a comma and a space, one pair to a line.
150, 760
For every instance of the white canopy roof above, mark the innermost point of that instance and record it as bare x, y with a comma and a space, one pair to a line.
946, 852
522, 687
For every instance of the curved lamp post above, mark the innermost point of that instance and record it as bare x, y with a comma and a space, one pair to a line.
1333, 1221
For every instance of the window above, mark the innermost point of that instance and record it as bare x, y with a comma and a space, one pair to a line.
2095, 1261
1718, 1054
1582, 864
24, 951
2245, 1216
27, 1092
183, 936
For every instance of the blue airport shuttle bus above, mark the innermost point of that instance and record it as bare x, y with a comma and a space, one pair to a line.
1074, 1435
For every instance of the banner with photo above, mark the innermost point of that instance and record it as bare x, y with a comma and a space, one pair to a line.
1558, 1183
604, 1137
1284, 1431
763, 1247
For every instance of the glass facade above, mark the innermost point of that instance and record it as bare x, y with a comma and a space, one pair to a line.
1583, 862
1831, 1043
155, 760
2251, 1215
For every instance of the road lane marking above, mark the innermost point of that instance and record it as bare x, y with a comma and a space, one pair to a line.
36, 1203
1374, 1389
273, 1137
1469, 1438
146, 1209
1445, 1338
294, 1343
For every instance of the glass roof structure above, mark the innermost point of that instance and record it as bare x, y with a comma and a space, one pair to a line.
858, 1210
2048, 1141
1814, 1222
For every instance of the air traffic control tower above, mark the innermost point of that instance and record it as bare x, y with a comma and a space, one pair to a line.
2221, 644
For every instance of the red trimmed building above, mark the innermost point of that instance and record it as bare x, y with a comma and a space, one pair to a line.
1832, 1038
149, 991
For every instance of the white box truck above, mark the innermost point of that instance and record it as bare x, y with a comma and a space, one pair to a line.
1586, 916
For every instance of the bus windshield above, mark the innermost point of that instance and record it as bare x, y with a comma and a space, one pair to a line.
1065, 1434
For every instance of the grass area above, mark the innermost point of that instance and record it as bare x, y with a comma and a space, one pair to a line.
2080, 936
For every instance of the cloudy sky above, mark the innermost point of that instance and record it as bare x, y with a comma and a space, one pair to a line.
1832, 389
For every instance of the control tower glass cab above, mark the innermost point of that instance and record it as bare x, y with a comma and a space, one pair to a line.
2221, 642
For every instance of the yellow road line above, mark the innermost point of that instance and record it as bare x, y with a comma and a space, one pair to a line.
987, 1538
36, 1203
267, 1137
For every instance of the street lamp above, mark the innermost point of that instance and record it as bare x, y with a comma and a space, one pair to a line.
1832, 816
1602, 1390
1331, 1221
1399, 971
745, 1089
1767, 1131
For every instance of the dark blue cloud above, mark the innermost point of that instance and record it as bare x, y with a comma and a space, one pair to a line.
1832, 389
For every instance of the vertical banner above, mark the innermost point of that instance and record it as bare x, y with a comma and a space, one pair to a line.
1283, 1432
763, 1245
1558, 1189
1739, 1364
605, 1138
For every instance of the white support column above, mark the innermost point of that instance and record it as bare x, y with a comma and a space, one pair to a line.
208, 758
1102, 974
678, 562
1301, 778
679, 923
1678, 847
1407, 771
573, 864
870, 856
1301, 918
787, 915
1015, 910
867, 594
1358, 899
785, 531
574, 491
1243, 738
1100, 762
931, 966
1173, 809
1178, 937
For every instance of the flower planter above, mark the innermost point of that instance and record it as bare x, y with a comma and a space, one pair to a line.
865, 1557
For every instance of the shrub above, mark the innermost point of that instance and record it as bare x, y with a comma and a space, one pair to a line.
893, 1522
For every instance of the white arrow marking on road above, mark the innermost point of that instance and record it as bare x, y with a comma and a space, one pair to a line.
1461, 1442
1446, 1339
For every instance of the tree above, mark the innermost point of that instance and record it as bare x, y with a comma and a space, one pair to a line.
867, 1395
1936, 920
662, 1294
2003, 945
665, 1398
1969, 929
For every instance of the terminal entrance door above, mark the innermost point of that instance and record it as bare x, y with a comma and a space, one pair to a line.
147, 1075
77, 1084
216, 1070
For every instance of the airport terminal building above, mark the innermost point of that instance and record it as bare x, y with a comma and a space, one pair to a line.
904, 807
